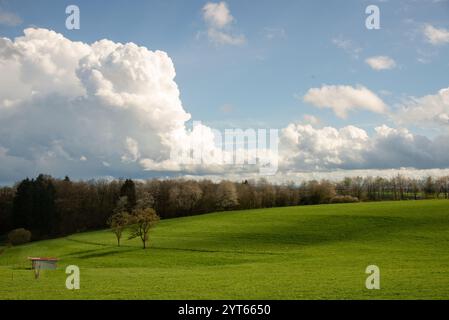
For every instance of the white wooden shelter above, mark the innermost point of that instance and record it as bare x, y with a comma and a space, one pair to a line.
39, 264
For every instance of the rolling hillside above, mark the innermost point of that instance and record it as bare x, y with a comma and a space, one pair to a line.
316, 252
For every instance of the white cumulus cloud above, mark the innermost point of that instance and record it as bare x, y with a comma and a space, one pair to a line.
63, 102
431, 110
113, 109
217, 14
381, 63
306, 148
219, 20
342, 99
436, 36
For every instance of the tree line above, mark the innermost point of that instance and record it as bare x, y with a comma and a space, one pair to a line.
50, 207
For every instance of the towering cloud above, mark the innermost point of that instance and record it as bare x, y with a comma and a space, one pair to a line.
112, 109
62, 101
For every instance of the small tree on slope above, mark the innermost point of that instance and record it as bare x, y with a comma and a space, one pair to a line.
143, 220
118, 223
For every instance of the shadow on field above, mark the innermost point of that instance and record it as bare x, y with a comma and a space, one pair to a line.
94, 253
265, 238
100, 252
90, 242
321, 229
313, 230
105, 253
97, 253
218, 251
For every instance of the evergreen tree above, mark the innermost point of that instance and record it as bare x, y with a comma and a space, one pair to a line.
34, 206
23, 205
128, 190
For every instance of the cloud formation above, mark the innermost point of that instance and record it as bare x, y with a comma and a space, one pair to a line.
348, 46
306, 148
112, 109
66, 104
217, 14
436, 36
219, 19
222, 37
427, 111
381, 63
343, 99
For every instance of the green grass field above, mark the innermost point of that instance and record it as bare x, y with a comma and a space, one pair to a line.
316, 252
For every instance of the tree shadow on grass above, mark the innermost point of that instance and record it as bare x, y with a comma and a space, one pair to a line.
99, 252
89, 242
105, 253
199, 250
320, 230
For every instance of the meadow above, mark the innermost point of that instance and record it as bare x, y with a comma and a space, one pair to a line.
307, 252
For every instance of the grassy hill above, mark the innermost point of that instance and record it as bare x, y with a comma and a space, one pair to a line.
318, 252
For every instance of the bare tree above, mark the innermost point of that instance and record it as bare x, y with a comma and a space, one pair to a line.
442, 185
400, 184
314, 192
429, 187
414, 186
445, 183
247, 195
185, 195
226, 196
358, 186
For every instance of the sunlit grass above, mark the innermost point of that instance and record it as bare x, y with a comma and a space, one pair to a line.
317, 252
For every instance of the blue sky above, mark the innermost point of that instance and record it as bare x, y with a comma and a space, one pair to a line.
289, 47
269, 71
